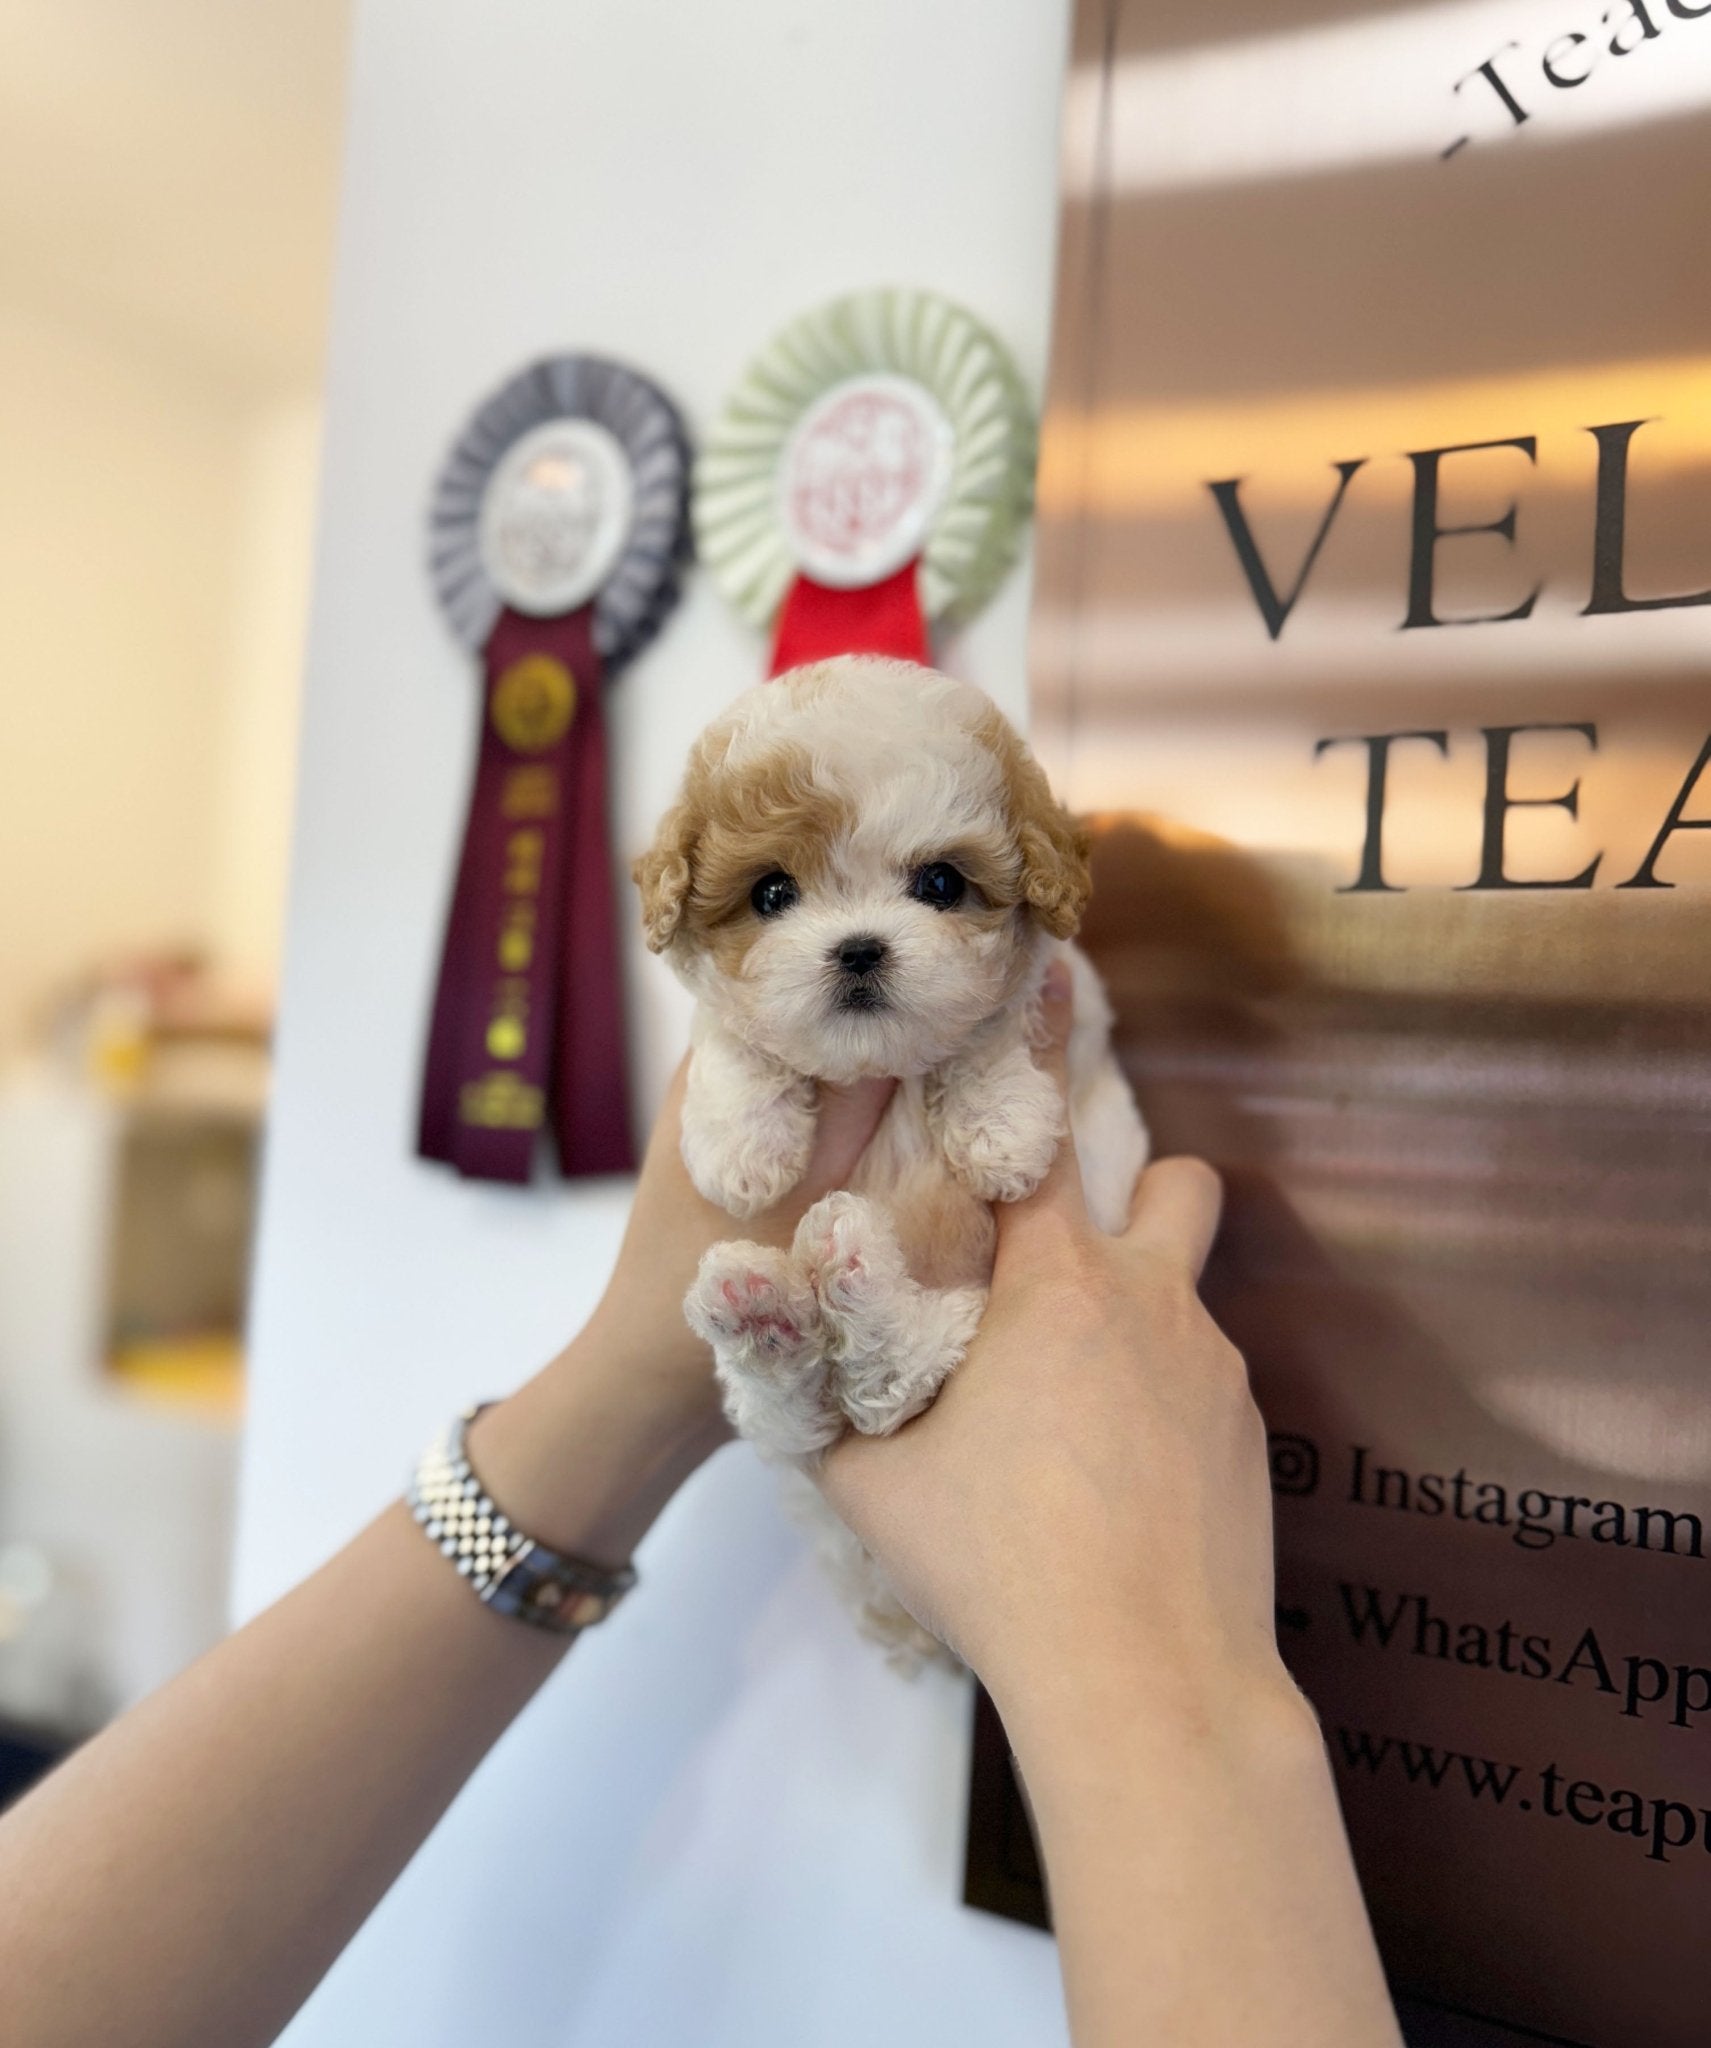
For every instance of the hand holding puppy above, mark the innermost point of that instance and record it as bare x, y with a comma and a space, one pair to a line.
1085, 1515
1090, 1488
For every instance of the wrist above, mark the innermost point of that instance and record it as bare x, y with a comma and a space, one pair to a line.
585, 1455
1066, 1718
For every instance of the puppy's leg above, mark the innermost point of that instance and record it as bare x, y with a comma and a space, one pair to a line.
892, 1342
757, 1308
1110, 1142
748, 1123
997, 1118
1110, 1138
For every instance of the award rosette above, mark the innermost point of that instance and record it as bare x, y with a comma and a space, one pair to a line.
871, 473
557, 529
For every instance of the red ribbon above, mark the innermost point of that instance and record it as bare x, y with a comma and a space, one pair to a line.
528, 1021
816, 621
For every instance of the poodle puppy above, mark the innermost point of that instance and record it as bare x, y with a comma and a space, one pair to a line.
866, 874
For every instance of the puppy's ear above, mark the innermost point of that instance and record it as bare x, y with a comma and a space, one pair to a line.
1057, 876
664, 872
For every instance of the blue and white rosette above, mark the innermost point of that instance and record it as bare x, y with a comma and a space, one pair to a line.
558, 529
589, 400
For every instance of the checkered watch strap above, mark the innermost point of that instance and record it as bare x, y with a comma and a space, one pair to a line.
511, 1572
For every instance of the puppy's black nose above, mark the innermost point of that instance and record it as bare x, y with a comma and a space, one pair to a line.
862, 955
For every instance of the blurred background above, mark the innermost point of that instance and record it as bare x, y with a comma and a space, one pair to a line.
167, 184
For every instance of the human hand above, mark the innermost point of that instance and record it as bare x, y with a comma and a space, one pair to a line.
1087, 1500
671, 1225
588, 1452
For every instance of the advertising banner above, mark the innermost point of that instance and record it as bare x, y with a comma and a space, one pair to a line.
1373, 626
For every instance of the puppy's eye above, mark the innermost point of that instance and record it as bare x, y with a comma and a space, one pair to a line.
773, 894
939, 884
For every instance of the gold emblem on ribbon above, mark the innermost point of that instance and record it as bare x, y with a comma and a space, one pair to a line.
500, 1102
534, 701
530, 792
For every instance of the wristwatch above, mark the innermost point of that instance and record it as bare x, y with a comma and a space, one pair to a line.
507, 1570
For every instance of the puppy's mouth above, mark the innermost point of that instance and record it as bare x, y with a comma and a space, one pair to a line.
861, 996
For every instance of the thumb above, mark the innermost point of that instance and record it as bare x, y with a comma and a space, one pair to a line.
848, 1118
1175, 1212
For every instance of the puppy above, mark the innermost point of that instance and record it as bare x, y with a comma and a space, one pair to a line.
867, 875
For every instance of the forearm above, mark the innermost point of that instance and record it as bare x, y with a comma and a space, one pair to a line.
1201, 1884
192, 1872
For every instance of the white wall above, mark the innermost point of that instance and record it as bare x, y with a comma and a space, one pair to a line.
165, 242
261, 711
725, 1823
154, 544
118, 490
154, 541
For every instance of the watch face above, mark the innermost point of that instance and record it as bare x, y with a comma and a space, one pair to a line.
862, 479
555, 516
554, 1592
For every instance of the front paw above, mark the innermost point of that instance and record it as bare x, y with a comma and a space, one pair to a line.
752, 1302
748, 1165
1000, 1142
852, 1257
757, 1308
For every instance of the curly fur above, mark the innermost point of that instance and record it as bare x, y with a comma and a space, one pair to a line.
851, 776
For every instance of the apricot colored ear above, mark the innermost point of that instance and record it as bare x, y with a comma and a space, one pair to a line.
1057, 876
664, 872
1056, 872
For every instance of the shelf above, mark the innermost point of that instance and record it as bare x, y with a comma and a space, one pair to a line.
201, 1374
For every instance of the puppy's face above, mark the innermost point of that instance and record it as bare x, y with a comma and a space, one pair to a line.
859, 869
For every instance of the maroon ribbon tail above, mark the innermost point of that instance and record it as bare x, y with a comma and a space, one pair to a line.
591, 1089
492, 1038
436, 1130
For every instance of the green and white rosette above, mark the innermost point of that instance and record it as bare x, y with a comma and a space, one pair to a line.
871, 473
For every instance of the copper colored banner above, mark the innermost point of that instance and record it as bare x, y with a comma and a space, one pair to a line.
1372, 623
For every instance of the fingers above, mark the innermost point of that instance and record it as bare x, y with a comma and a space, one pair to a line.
670, 1119
848, 1118
1059, 1194
1175, 1212
662, 1163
